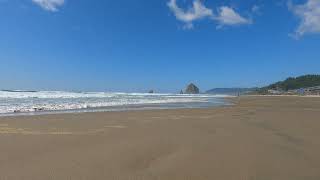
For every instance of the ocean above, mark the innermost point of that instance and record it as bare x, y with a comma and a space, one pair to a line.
46, 102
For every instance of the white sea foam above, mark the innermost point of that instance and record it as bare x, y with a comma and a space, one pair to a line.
15, 102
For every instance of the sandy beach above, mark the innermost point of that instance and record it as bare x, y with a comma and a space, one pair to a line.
259, 138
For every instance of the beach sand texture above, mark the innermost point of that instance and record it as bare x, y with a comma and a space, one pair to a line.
259, 138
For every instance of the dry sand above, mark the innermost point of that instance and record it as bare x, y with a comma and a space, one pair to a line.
260, 138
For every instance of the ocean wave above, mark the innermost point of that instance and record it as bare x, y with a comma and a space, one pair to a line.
21, 102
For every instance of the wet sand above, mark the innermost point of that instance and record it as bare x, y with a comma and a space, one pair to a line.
260, 138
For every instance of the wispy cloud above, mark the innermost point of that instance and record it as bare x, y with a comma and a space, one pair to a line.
49, 5
257, 9
225, 15
196, 12
309, 13
228, 16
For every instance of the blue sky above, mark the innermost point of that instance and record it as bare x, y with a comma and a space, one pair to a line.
125, 45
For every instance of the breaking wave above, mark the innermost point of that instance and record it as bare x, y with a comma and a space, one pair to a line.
47, 101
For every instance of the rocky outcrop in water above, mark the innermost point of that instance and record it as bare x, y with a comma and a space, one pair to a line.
192, 89
151, 92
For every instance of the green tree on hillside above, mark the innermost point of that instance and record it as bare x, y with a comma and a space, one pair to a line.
295, 83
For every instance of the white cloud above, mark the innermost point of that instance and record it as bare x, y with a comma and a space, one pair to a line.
225, 15
196, 12
309, 13
49, 5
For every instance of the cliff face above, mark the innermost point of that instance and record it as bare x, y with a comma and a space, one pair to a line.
192, 89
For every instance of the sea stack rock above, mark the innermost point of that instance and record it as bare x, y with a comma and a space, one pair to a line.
181, 92
151, 92
192, 89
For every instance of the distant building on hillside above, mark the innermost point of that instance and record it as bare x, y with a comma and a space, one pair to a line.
312, 90
300, 91
275, 92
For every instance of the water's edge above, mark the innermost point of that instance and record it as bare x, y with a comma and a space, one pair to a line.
224, 103
16, 103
